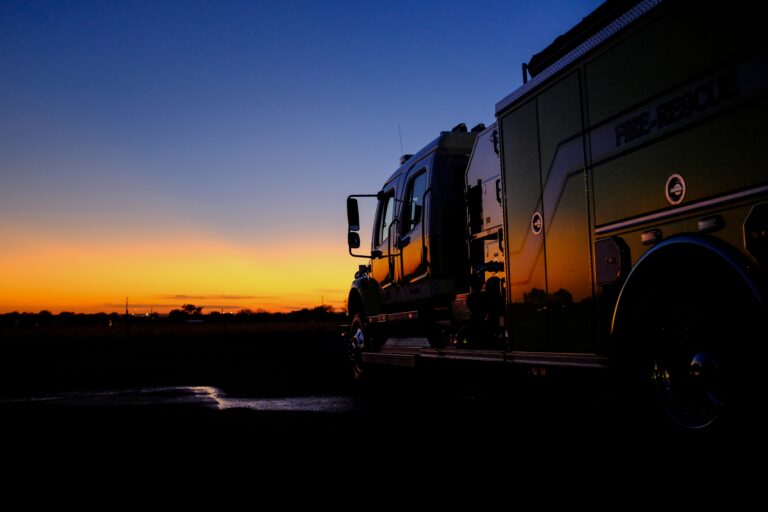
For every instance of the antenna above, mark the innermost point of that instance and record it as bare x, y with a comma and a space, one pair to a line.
400, 134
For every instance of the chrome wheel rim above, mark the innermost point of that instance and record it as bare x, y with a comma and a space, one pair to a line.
689, 386
356, 344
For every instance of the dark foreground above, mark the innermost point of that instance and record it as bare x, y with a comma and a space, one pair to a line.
280, 399
183, 442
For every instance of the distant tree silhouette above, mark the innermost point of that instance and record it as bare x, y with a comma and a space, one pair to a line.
216, 317
47, 320
191, 309
178, 315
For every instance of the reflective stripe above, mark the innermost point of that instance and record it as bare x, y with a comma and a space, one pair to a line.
608, 228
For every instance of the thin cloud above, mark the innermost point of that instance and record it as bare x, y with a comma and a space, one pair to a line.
131, 305
216, 297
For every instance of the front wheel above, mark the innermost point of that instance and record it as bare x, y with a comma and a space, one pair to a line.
356, 343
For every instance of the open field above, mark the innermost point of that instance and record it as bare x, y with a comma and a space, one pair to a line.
266, 357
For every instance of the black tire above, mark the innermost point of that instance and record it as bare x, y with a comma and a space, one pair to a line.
687, 363
688, 352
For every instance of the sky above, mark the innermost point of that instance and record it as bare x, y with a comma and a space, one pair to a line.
178, 152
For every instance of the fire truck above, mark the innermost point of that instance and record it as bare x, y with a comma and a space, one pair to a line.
614, 215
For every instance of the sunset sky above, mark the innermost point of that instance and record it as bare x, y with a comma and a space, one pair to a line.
201, 152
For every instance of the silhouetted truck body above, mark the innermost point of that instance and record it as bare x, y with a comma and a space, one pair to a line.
615, 215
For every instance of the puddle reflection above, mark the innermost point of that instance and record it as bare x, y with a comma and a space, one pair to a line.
192, 396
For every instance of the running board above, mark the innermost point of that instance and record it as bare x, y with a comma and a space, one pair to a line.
557, 359
393, 317
409, 358
489, 356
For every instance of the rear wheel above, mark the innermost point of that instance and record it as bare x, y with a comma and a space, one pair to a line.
688, 366
689, 346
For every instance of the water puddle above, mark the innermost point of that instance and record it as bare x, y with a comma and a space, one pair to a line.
206, 397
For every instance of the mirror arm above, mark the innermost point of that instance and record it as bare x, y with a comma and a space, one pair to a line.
354, 196
366, 256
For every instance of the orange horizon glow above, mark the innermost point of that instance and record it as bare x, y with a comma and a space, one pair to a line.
158, 273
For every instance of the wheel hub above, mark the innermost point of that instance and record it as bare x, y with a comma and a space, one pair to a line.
689, 388
703, 366
358, 339
356, 344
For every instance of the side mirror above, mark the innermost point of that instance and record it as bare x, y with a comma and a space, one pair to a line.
353, 218
353, 240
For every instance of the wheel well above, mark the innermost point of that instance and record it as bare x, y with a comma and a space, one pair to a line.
685, 266
354, 304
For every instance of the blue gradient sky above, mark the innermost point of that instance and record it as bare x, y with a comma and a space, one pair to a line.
240, 125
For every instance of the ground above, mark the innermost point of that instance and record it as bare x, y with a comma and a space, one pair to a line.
273, 396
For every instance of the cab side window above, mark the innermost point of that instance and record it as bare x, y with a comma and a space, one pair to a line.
414, 206
386, 215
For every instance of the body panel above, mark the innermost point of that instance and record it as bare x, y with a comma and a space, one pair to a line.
678, 92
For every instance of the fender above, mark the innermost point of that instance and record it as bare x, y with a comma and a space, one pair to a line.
660, 253
368, 294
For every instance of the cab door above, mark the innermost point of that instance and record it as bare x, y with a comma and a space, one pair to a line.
384, 238
412, 243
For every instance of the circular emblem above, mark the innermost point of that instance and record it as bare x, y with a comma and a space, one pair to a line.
675, 189
537, 223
